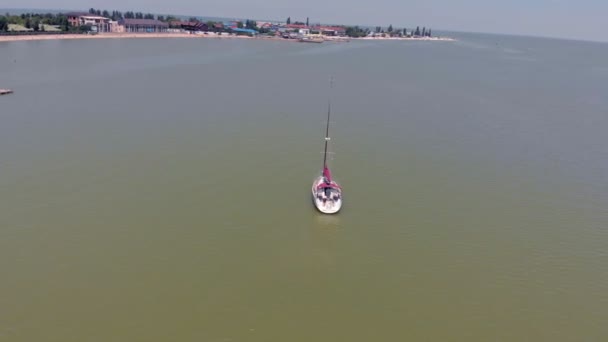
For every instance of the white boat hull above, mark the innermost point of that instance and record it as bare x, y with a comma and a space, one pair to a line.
326, 205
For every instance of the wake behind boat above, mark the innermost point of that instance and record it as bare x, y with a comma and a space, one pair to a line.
326, 193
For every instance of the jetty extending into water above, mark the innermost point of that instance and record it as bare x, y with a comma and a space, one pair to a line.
5, 91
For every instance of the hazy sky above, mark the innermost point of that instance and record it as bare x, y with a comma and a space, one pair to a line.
584, 19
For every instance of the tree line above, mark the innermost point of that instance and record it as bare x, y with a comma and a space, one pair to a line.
357, 32
34, 21
118, 15
37, 21
403, 32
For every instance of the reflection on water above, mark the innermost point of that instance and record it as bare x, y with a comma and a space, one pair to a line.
326, 221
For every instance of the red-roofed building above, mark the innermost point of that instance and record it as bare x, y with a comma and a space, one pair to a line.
74, 17
300, 29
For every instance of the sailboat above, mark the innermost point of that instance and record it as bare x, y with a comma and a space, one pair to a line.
326, 192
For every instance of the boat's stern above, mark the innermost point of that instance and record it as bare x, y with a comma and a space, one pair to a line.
328, 207
327, 203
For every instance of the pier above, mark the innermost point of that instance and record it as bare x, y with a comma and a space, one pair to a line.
5, 91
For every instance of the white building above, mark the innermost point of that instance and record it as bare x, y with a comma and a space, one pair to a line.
97, 23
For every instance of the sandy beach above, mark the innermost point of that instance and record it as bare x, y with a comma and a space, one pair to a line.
433, 39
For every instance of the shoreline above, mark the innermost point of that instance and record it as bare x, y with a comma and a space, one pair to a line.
18, 38
68, 36
431, 39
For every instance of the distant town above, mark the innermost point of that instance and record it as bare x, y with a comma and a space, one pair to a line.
96, 21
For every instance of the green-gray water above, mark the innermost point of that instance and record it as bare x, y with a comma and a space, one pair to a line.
159, 190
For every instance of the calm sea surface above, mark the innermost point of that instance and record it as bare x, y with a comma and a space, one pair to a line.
159, 190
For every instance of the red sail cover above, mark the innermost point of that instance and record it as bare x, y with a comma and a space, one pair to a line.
327, 174
329, 185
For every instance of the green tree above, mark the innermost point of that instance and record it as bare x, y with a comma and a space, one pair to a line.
429, 33
239, 24
355, 32
36, 25
149, 16
139, 15
98, 12
251, 24
160, 18
288, 20
105, 14
424, 31
306, 21
417, 33
91, 10
17, 20
85, 28
28, 24
211, 25
390, 28
3, 23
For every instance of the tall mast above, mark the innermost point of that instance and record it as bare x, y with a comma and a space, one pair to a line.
331, 83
